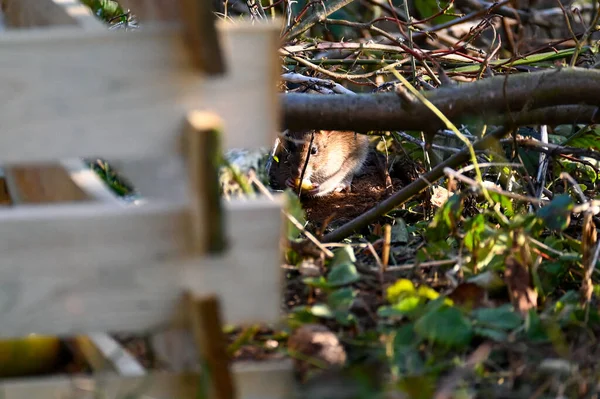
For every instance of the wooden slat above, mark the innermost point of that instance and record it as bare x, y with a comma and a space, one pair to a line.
81, 13
153, 10
104, 354
28, 13
46, 184
89, 181
52, 183
155, 178
124, 95
269, 380
76, 269
199, 22
203, 140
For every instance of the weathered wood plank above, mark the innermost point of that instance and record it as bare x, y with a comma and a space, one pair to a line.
104, 268
47, 184
28, 13
81, 13
153, 10
52, 183
125, 94
89, 182
269, 380
104, 354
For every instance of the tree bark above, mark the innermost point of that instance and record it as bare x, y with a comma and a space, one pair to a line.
567, 95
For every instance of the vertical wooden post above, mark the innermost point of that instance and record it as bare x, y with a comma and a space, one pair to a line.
199, 21
207, 327
202, 136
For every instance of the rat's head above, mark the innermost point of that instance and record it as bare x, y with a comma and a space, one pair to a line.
307, 148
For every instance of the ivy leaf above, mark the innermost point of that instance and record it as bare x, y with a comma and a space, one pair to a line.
534, 328
502, 317
344, 254
404, 307
474, 227
343, 274
589, 140
496, 335
317, 282
557, 214
446, 326
341, 300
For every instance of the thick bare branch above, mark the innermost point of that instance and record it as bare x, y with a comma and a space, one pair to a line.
514, 99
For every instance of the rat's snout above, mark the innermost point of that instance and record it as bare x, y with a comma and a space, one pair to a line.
297, 179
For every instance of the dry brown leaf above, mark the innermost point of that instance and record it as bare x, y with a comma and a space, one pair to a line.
522, 294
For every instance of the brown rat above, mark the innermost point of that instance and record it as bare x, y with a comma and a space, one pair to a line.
334, 157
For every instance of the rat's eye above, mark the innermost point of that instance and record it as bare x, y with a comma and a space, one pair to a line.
313, 150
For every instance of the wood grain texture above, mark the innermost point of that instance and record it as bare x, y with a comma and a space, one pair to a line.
30, 13
153, 10
268, 380
81, 13
203, 139
51, 183
103, 354
199, 26
125, 94
207, 327
103, 268
47, 184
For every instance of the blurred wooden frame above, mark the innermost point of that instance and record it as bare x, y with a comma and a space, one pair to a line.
77, 90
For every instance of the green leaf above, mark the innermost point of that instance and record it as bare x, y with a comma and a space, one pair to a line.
341, 300
400, 231
446, 326
534, 328
474, 227
294, 208
445, 219
405, 336
343, 274
589, 140
301, 315
321, 310
502, 317
496, 335
557, 214
427, 8
404, 307
342, 255
316, 282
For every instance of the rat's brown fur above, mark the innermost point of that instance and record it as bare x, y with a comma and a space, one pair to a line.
335, 159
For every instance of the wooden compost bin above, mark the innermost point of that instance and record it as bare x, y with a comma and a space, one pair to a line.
78, 261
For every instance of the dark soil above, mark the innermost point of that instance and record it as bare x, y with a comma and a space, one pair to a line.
368, 189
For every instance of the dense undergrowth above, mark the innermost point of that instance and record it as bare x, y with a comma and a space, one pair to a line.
485, 285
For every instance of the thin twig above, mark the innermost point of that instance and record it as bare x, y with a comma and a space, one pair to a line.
253, 179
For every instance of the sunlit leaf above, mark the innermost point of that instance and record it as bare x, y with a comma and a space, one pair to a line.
400, 289
321, 310
341, 255
557, 214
